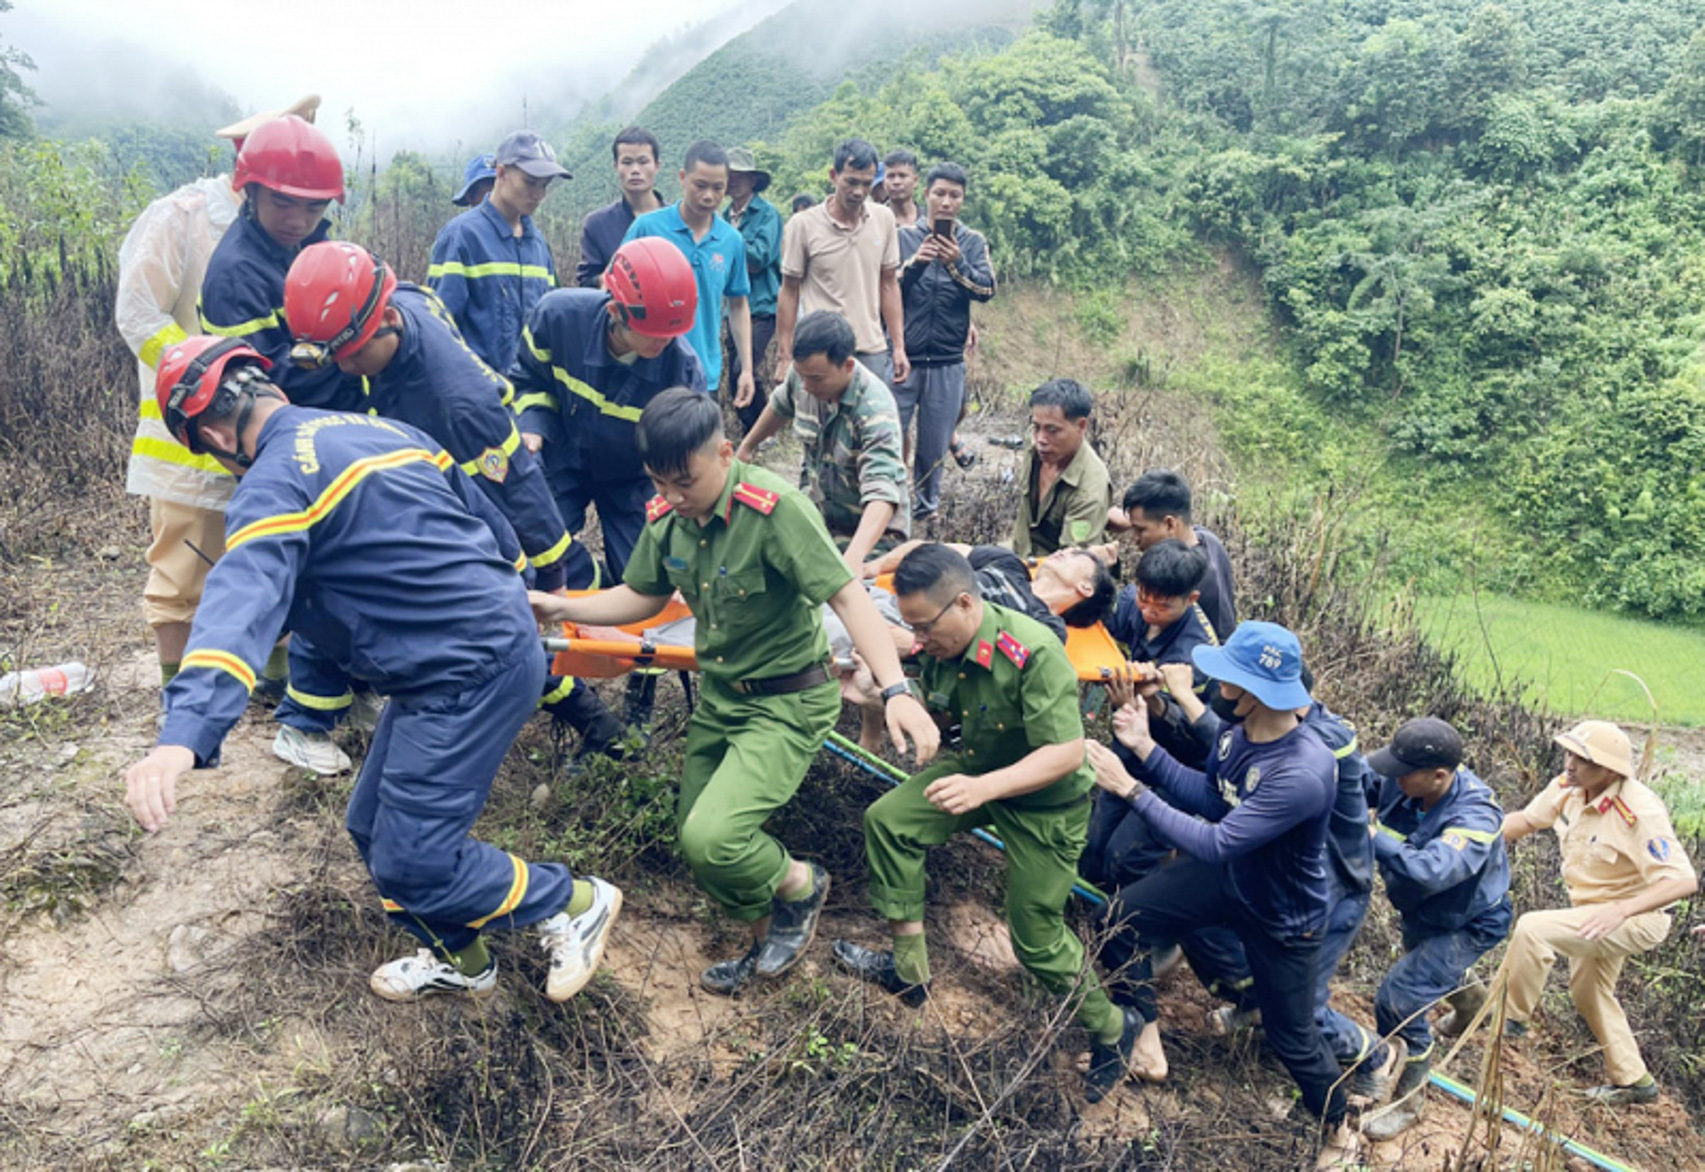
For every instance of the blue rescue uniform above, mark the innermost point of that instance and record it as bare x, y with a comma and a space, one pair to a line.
242, 296
490, 279
585, 402
1448, 875
362, 534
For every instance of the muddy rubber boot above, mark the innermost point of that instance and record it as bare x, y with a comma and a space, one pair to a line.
641, 700
1110, 1065
878, 968
728, 977
1408, 1103
585, 712
793, 923
1371, 1080
1464, 1004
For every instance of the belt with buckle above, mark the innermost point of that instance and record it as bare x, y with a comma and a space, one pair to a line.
783, 685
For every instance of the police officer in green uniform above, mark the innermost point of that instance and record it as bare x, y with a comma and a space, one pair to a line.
751, 557
1017, 765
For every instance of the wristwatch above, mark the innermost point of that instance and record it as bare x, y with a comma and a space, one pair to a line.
892, 690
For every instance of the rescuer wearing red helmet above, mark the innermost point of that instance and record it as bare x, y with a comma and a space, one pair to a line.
589, 362
362, 535
345, 306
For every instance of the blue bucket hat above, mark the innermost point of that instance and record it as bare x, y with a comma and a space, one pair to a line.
1262, 658
479, 169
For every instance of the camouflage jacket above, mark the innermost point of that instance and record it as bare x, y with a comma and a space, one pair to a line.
852, 450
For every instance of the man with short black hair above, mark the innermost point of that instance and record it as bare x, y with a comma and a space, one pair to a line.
637, 158
1438, 840
942, 274
718, 256
844, 255
760, 227
1016, 765
900, 183
490, 265
754, 563
1064, 487
1157, 507
846, 421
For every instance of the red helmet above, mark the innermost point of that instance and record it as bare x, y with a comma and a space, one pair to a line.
335, 295
654, 286
191, 375
289, 156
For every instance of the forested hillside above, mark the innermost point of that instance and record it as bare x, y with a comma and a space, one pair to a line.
1479, 225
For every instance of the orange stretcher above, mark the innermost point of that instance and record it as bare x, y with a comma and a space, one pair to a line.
1090, 649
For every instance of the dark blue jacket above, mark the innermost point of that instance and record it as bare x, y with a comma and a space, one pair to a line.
489, 279
437, 384
601, 233
1266, 808
572, 391
362, 534
242, 296
1447, 866
1219, 591
937, 298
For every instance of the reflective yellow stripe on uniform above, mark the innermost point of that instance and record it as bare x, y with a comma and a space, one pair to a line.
555, 552
521, 563
496, 268
575, 385
517, 892
160, 341
472, 467
560, 692
221, 661
1346, 750
390, 905
536, 399
243, 328
1481, 836
1384, 829
333, 495
320, 703
171, 452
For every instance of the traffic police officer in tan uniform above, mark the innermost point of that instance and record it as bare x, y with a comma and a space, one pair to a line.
1624, 867
751, 557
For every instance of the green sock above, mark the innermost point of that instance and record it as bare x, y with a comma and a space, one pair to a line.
1107, 1022
277, 664
1645, 1080
168, 671
581, 900
473, 959
911, 959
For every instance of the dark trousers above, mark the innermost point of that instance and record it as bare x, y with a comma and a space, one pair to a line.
621, 517
1187, 895
422, 786
319, 693
763, 330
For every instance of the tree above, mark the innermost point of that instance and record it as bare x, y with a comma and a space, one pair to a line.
16, 98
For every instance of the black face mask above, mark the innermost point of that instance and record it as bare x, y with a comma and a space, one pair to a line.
1225, 709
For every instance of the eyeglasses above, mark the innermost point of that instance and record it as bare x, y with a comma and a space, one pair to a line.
923, 629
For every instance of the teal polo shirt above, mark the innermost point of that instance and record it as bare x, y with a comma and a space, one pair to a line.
719, 266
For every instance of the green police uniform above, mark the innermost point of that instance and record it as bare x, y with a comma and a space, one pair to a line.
853, 455
1073, 513
755, 576
1012, 691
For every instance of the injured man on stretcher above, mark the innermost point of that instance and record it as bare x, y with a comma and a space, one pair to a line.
1068, 588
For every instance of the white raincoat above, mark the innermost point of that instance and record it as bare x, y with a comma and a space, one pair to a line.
160, 268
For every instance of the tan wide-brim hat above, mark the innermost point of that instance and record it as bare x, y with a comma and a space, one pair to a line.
1602, 743
305, 108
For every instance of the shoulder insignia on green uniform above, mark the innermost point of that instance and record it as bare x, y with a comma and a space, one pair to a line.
753, 497
657, 508
985, 653
1014, 650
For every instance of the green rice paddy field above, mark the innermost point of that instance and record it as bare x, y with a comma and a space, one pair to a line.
1565, 657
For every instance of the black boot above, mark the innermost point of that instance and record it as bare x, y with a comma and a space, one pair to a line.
585, 712
1408, 1102
878, 968
641, 700
793, 923
730, 976
1108, 1065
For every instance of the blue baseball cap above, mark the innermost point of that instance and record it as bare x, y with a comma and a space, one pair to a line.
479, 169
532, 154
1262, 658
881, 174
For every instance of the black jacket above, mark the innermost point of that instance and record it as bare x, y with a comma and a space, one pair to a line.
938, 297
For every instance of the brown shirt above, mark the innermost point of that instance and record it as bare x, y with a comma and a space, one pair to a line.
1614, 848
841, 268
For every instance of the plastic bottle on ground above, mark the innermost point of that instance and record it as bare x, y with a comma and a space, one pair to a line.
26, 687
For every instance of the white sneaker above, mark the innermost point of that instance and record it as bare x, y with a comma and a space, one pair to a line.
364, 712
313, 751
576, 943
409, 978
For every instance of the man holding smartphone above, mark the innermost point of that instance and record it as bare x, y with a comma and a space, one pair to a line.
944, 268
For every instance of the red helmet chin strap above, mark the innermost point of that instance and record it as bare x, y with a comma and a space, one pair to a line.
250, 385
